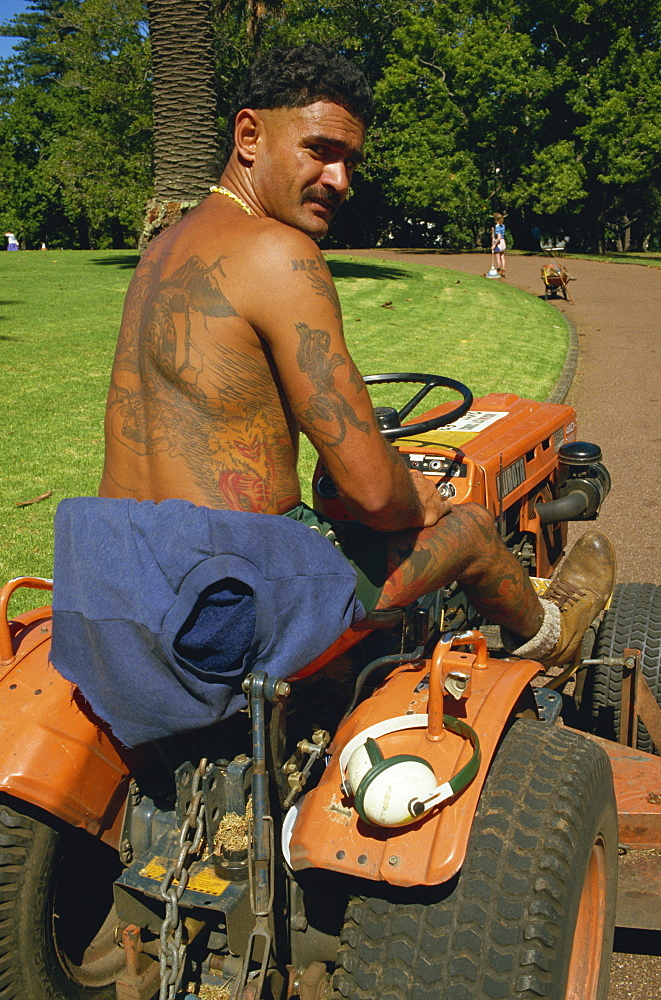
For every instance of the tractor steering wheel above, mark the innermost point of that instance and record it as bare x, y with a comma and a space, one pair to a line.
429, 382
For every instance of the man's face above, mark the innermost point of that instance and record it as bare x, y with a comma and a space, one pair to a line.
304, 163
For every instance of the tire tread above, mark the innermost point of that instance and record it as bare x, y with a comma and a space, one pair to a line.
633, 621
16, 840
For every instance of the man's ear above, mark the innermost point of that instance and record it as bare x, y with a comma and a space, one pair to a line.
248, 128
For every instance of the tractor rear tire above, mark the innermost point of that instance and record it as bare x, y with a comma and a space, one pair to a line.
532, 912
57, 921
633, 621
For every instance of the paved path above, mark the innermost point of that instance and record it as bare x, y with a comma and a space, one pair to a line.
616, 391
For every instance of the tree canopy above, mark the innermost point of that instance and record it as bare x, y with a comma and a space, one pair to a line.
76, 123
546, 112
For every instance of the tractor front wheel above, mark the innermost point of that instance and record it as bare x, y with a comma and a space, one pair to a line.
531, 913
57, 920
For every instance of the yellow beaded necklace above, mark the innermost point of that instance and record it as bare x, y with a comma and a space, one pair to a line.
218, 189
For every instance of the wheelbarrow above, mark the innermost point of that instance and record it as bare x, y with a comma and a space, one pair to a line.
555, 275
556, 278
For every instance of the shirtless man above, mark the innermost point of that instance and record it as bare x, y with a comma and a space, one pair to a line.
232, 341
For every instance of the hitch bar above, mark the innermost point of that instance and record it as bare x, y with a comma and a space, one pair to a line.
260, 688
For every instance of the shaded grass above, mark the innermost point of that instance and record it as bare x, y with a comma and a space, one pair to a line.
59, 315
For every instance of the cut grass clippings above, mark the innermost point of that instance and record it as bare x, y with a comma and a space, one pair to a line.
59, 316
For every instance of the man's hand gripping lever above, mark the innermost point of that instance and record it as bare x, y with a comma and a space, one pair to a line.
259, 688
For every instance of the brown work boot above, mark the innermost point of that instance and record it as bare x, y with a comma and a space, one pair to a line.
580, 591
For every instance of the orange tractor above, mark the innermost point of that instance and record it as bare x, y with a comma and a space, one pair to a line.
426, 821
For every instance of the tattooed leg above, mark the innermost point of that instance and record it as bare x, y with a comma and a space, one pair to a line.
463, 546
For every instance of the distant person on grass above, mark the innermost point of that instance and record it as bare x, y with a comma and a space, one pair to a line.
232, 342
12, 242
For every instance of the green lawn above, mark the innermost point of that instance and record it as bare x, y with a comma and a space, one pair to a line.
59, 315
612, 257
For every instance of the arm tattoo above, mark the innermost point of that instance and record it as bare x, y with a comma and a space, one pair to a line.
326, 404
318, 273
357, 381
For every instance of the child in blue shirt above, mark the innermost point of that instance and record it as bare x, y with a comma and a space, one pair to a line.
498, 244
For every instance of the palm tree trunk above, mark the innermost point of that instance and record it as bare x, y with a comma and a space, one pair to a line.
186, 141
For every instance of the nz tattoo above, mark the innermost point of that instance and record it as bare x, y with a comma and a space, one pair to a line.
318, 274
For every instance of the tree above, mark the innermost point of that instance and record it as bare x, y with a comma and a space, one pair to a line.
546, 112
621, 143
602, 57
76, 120
186, 141
461, 101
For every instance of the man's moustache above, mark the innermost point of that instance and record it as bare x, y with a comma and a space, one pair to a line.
331, 198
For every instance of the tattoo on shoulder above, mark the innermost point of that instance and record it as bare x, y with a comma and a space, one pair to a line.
326, 405
193, 288
317, 272
158, 316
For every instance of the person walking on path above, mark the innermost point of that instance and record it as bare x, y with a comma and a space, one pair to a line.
232, 342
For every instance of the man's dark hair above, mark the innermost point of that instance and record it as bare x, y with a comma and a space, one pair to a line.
299, 76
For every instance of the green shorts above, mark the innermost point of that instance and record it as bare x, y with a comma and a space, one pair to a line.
365, 549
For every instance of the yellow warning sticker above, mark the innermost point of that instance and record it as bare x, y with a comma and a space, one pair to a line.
460, 431
203, 880
441, 439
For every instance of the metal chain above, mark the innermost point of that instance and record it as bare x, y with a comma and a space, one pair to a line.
172, 945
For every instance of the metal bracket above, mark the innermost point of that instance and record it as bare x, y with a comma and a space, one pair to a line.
549, 704
638, 702
224, 789
296, 774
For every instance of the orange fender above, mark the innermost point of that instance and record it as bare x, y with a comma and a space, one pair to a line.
54, 753
328, 832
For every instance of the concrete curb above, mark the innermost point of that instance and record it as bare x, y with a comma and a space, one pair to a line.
561, 388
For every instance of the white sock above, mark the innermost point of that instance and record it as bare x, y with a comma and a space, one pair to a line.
543, 642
